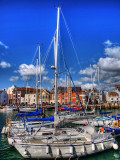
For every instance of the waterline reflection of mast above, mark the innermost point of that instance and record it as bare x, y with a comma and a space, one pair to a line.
40, 77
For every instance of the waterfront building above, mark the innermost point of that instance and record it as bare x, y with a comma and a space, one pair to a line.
19, 95
117, 89
31, 98
96, 96
67, 95
4, 98
10, 93
112, 97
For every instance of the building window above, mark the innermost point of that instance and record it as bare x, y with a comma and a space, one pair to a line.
34, 95
46, 97
34, 100
43, 97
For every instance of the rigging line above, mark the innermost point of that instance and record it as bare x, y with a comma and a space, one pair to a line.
74, 86
70, 35
33, 60
32, 78
94, 76
61, 47
48, 50
34, 55
62, 51
59, 53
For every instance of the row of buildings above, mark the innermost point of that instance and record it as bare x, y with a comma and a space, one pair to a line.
21, 95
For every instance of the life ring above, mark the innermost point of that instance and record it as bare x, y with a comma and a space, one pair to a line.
115, 124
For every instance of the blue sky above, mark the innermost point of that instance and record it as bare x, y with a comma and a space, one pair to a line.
95, 30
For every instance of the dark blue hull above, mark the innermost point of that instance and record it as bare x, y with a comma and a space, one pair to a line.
113, 130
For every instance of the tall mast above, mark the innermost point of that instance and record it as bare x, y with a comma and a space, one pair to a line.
65, 96
99, 85
92, 86
69, 91
40, 77
26, 91
37, 84
91, 81
56, 60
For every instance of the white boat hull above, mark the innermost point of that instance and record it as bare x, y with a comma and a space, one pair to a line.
96, 123
61, 150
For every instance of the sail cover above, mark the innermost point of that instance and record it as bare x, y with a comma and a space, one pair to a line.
41, 119
31, 114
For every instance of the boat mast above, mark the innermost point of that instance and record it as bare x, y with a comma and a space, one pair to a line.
40, 77
92, 86
65, 97
37, 84
56, 72
99, 85
26, 90
67, 90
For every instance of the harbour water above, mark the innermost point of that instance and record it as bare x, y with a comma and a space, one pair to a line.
8, 153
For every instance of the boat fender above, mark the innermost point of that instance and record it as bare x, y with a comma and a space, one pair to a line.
93, 146
8, 131
102, 146
25, 152
86, 124
115, 124
31, 131
47, 149
115, 146
58, 151
83, 149
71, 149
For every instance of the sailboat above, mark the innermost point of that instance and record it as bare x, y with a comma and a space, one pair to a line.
64, 142
15, 127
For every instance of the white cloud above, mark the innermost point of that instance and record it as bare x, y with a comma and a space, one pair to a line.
108, 43
77, 83
28, 71
72, 71
113, 52
61, 82
46, 79
3, 45
14, 78
87, 71
109, 64
4, 64
85, 79
88, 86
109, 69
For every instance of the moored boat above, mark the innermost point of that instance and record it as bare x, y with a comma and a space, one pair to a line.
64, 142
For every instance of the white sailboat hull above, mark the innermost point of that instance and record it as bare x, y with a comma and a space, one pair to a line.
96, 123
43, 151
